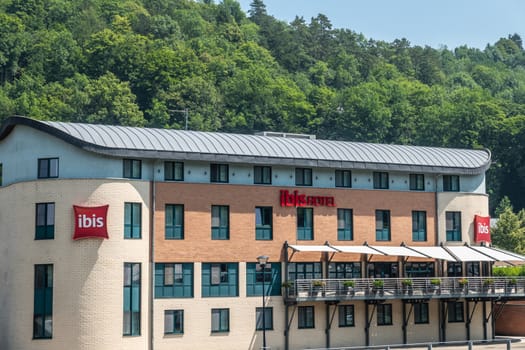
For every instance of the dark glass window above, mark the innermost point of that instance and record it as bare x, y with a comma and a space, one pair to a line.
306, 270
306, 317
303, 177
384, 314
343, 178
43, 302
417, 182
45, 221
132, 220
344, 225
451, 183
419, 269
173, 280
220, 320
254, 279
344, 270
305, 224
220, 222
382, 225
132, 168
346, 316
419, 225
174, 171
219, 173
268, 318
1, 177
174, 221
262, 175
455, 311
173, 321
454, 269
220, 280
453, 225
263, 223
47, 168
421, 313
132, 288
380, 180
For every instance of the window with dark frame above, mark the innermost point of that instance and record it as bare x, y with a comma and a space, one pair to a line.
346, 316
173, 280
132, 220
421, 313
268, 318
344, 225
380, 180
219, 173
1, 176
303, 177
343, 178
453, 225
263, 223
262, 175
132, 168
382, 225
174, 221
344, 270
220, 280
419, 225
45, 221
220, 222
43, 302
132, 287
455, 311
305, 317
384, 314
173, 321
220, 320
47, 168
451, 183
304, 270
305, 224
173, 171
417, 182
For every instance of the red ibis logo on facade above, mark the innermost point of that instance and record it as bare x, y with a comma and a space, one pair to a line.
295, 199
482, 228
91, 222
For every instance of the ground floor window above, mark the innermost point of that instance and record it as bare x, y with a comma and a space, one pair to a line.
421, 313
220, 320
346, 316
268, 318
173, 321
384, 314
306, 317
455, 311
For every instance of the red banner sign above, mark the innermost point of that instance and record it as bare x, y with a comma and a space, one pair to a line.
481, 228
91, 222
295, 199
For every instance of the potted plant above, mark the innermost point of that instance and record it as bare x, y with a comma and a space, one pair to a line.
488, 284
407, 285
317, 287
349, 285
511, 284
317, 283
436, 282
287, 285
463, 282
377, 286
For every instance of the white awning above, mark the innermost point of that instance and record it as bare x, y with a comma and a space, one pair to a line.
398, 251
466, 253
312, 248
357, 249
434, 252
499, 254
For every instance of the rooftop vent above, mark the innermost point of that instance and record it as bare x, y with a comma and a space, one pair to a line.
285, 135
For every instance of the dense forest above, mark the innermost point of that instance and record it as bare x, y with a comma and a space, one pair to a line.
144, 62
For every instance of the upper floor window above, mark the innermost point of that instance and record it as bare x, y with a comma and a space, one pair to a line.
343, 178
417, 182
304, 270
344, 225
47, 168
384, 314
344, 270
303, 177
263, 223
454, 269
219, 173
453, 225
174, 221
43, 302
132, 298
262, 175
419, 225
173, 321
305, 224
220, 222
382, 225
174, 171
451, 183
132, 168
255, 277
380, 180
419, 269
132, 220
173, 280
220, 280
45, 221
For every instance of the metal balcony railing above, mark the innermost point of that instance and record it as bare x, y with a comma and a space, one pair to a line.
405, 288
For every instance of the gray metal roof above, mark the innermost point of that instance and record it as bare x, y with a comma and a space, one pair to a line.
150, 143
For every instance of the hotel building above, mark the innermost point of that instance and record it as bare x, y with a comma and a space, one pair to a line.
134, 238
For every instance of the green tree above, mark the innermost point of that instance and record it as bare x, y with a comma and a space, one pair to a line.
509, 232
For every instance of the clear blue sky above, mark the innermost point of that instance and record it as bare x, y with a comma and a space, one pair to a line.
436, 23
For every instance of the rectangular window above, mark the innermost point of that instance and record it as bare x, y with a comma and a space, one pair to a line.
306, 270
305, 224
262, 175
174, 221
268, 318
454, 269
173, 321
132, 220
47, 168
384, 314
451, 183
255, 278
417, 182
173, 171
455, 311
220, 222
174, 280
219, 173
380, 180
306, 317
220, 280
346, 316
132, 300
263, 223
382, 225
303, 177
43, 302
419, 269
343, 178
132, 168
453, 225
344, 225
419, 225
45, 221
344, 270
220, 320
1, 177
421, 313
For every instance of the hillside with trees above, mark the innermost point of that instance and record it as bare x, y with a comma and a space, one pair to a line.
143, 62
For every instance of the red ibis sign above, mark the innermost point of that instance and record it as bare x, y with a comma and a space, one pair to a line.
296, 199
91, 222
481, 228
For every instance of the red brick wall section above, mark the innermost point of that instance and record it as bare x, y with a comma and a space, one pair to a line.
511, 321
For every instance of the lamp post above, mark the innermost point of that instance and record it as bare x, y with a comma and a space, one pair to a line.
263, 260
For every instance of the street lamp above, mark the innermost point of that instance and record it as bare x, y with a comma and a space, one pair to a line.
263, 260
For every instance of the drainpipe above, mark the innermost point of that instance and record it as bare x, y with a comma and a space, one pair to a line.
153, 190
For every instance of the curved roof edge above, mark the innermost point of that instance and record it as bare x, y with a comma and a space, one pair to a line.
464, 164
